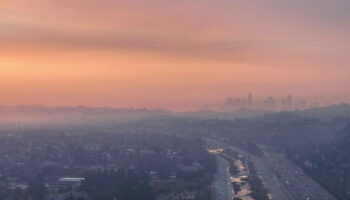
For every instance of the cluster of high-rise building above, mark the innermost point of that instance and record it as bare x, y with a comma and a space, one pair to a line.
269, 103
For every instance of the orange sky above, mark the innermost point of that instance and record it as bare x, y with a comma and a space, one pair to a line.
172, 54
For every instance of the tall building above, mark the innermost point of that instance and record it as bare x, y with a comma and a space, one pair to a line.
302, 104
250, 100
238, 103
229, 102
270, 103
289, 101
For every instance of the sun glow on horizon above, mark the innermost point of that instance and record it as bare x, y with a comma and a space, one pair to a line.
179, 56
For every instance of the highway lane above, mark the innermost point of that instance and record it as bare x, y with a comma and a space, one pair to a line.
268, 177
287, 181
293, 178
222, 188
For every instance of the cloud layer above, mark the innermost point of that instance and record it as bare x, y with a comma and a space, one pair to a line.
305, 39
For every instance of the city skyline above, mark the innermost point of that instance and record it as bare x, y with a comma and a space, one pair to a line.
228, 103
288, 102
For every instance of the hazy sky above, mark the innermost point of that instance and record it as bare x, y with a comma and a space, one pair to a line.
177, 54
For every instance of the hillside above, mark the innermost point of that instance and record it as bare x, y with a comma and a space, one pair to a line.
331, 166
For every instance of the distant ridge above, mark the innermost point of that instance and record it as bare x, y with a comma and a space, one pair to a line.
209, 114
322, 113
328, 112
39, 114
45, 109
42, 113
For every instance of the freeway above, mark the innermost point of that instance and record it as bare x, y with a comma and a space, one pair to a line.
286, 181
289, 181
269, 178
293, 178
222, 188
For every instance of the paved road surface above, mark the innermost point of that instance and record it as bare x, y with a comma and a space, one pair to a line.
269, 178
284, 179
293, 178
222, 188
